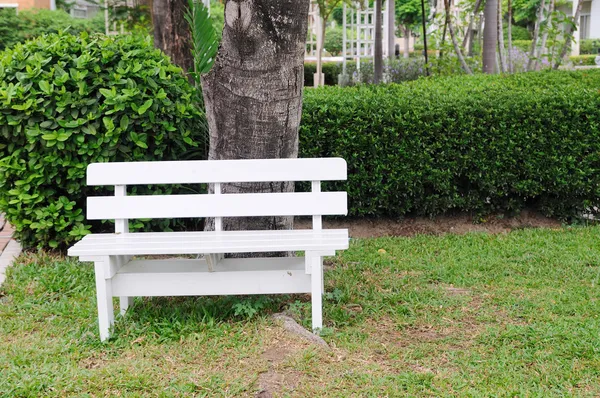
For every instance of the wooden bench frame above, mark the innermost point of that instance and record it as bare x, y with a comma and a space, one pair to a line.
118, 274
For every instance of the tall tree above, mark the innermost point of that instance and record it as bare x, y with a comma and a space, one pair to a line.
547, 28
571, 27
409, 17
171, 31
468, 39
326, 8
490, 36
501, 53
511, 65
536, 34
378, 56
459, 54
253, 93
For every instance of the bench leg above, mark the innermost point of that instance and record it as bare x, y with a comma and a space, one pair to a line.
125, 302
317, 292
104, 297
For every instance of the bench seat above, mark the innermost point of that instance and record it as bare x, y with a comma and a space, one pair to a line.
208, 242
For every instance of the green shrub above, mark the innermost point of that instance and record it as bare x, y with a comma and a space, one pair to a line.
420, 46
583, 60
589, 46
27, 24
67, 101
330, 69
334, 41
481, 143
517, 32
523, 45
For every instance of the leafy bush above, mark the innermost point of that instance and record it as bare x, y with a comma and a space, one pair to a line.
481, 143
401, 69
394, 71
523, 45
334, 41
517, 32
27, 24
589, 46
583, 60
67, 101
330, 69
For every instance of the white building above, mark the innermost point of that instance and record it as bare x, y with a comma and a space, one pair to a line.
589, 22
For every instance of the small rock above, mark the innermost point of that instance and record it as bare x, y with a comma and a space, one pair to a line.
292, 326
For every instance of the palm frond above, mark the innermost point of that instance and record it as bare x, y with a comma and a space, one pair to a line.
204, 38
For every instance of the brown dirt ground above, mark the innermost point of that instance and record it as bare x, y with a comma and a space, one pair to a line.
456, 224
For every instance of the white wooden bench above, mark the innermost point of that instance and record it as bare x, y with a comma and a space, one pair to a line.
119, 275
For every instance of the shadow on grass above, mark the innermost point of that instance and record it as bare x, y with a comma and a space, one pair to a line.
171, 318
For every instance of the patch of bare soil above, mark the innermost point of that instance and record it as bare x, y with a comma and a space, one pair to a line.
278, 378
456, 224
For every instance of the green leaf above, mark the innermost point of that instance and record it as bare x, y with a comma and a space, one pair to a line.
124, 122
108, 123
204, 37
142, 109
46, 87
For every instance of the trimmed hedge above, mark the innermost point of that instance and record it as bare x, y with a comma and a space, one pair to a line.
583, 60
482, 143
27, 24
330, 69
523, 45
589, 46
67, 101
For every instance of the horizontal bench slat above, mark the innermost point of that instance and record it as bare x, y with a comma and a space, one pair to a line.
212, 171
246, 234
208, 242
176, 277
233, 205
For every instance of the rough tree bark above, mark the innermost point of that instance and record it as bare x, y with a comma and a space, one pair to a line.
501, 54
253, 94
171, 31
378, 56
490, 36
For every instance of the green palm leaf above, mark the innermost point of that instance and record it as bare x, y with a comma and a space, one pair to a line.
204, 38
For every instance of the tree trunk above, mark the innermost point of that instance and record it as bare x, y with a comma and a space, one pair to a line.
378, 61
443, 41
253, 94
406, 32
454, 41
569, 35
490, 36
172, 33
548, 26
479, 34
511, 66
501, 54
468, 40
423, 23
320, 44
536, 35
391, 4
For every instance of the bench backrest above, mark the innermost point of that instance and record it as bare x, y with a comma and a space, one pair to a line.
122, 207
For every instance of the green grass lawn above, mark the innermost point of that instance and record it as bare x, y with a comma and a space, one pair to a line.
476, 315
